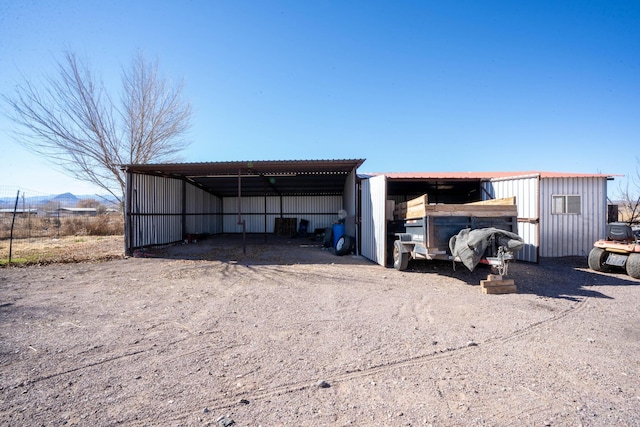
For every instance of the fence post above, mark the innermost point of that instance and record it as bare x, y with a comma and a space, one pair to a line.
13, 220
59, 223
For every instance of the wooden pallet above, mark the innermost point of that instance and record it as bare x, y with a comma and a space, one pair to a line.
495, 284
285, 227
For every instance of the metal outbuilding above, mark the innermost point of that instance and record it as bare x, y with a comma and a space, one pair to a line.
164, 203
559, 214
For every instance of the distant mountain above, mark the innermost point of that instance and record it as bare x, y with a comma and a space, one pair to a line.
9, 202
64, 200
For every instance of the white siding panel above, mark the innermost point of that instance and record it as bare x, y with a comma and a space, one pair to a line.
202, 211
320, 211
374, 224
573, 234
156, 214
526, 192
155, 210
529, 233
230, 215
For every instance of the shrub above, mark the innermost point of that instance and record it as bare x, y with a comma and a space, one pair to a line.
99, 225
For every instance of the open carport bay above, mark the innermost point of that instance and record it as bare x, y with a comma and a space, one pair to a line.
182, 337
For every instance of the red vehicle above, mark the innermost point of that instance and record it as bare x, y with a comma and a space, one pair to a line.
621, 248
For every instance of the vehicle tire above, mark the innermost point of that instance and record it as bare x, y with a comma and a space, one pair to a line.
633, 265
597, 257
400, 259
344, 245
328, 237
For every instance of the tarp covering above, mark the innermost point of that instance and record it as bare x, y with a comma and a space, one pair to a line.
469, 245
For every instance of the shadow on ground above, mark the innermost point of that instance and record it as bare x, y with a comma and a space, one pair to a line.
566, 277
255, 249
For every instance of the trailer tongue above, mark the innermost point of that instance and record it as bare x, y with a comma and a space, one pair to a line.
470, 247
468, 233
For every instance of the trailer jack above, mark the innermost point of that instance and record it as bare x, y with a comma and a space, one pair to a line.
500, 262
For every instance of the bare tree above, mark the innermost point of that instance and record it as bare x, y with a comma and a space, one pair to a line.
88, 203
630, 198
73, 122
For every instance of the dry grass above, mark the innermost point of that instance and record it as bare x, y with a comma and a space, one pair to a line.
47, 250
32, 226
45, 240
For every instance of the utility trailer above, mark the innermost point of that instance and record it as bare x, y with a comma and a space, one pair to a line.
467, 233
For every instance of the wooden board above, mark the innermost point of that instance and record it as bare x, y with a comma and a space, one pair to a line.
492, 283
496, 284
471, 210
507, 289
413, 208
418, 201
503, 201
418, 208
415, 211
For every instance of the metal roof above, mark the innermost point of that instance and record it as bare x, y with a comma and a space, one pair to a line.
484, 175
256, 178
457, 187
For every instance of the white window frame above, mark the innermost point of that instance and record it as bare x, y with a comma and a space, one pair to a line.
566, 204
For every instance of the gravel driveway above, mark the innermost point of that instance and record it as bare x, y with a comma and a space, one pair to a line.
291, 335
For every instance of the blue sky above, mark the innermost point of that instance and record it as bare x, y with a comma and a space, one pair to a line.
407, 85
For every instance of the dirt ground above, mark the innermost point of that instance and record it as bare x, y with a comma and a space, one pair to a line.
292, 335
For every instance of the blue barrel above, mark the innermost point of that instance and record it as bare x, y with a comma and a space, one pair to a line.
338, 232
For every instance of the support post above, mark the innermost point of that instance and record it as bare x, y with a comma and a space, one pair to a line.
183, 207
13, 221
240, 220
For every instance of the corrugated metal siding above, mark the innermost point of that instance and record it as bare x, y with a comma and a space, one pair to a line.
529, 233
572, 234
202, 211
525, 190
374, 223
320, 211
155, 210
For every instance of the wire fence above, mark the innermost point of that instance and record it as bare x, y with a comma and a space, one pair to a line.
40, 228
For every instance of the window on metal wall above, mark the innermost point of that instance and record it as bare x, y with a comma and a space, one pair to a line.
565, 205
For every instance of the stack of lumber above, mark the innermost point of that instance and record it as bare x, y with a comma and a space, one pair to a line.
419, 207
495, 284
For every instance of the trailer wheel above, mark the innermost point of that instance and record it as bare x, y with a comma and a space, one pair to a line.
633, 265
400, 259
328, 237
596, 260
344, 245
